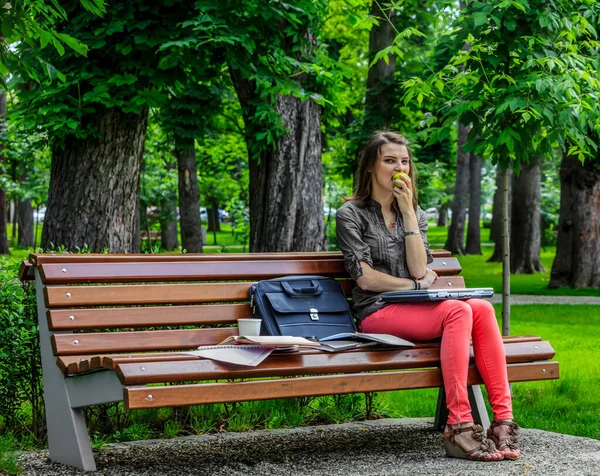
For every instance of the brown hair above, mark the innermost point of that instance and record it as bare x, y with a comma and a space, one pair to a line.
369, 156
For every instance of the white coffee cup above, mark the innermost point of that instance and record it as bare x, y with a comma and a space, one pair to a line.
249, 327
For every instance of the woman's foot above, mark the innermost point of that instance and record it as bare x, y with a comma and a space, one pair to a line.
504, 433
468, 441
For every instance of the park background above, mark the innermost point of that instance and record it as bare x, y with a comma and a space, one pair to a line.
197, 126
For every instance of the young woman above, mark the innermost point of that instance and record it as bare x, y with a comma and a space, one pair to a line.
382, 233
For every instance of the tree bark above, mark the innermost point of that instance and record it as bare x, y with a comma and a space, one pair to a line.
443, 214
379, 100
3, 211
95, 185
168, 224
379, 97
577, 261
25, 214
456, 233
474, 229
525, 220
496, 225
286, 209
504, 232
214, 224
189, 195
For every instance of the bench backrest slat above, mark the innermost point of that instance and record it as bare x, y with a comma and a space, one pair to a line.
74, 273
103, 318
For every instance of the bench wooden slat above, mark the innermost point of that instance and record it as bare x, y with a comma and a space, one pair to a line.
110, 361
198, 394
26, 269
39, 259
186, 271
107, 342
72, 296
308, 362
103, 318
449, 282
187, 293
94, 272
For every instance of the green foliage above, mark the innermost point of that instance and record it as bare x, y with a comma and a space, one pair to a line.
20, 366
526, 79
8, 455
121, 70
32, 23
269, 44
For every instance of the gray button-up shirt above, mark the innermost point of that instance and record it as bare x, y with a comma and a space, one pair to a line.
363, 236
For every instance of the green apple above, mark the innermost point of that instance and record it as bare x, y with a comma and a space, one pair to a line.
397, 176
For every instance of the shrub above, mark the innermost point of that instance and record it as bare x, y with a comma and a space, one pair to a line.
21, 392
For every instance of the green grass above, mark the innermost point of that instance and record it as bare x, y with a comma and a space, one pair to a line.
8, 455
478, 272
437, 235
568, 405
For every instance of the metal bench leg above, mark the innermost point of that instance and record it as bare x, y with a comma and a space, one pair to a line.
68, 439
478, 409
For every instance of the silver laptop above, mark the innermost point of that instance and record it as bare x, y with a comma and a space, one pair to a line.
424, 295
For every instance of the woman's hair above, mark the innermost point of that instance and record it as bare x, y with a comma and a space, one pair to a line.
368, 158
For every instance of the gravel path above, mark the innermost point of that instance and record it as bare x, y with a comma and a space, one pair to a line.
380, 447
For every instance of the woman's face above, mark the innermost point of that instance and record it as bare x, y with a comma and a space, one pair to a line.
393, 158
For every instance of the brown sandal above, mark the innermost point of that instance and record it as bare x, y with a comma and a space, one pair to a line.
508, 446
481, 453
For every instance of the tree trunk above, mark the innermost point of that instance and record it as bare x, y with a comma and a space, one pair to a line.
379, 97
496, 225
93, 197
474, 229
214, 224
456, 233
25, 214
577, 261
189, 195
525, 220
168, 224
379, 100
505, 237
443, 214
286, 208
3, 211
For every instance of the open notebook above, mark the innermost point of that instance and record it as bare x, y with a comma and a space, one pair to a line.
424, 295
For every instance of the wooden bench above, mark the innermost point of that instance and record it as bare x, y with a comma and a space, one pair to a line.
112, 328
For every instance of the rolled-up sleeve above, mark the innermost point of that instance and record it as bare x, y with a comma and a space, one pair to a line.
423, 227
350, 241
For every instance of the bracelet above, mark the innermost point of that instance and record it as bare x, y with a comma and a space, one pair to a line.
408, 233
416, 281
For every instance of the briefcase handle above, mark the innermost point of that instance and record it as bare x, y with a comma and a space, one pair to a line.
314, 290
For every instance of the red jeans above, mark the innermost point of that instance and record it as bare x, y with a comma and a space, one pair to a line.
457, 322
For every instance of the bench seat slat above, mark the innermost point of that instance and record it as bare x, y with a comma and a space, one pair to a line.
107, 342
104, 318
197, 394
94, 272
110, 361
311, 362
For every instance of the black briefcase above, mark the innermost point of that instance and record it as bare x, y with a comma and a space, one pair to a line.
304, 306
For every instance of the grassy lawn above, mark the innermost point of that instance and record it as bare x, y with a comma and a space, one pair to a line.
568, 405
